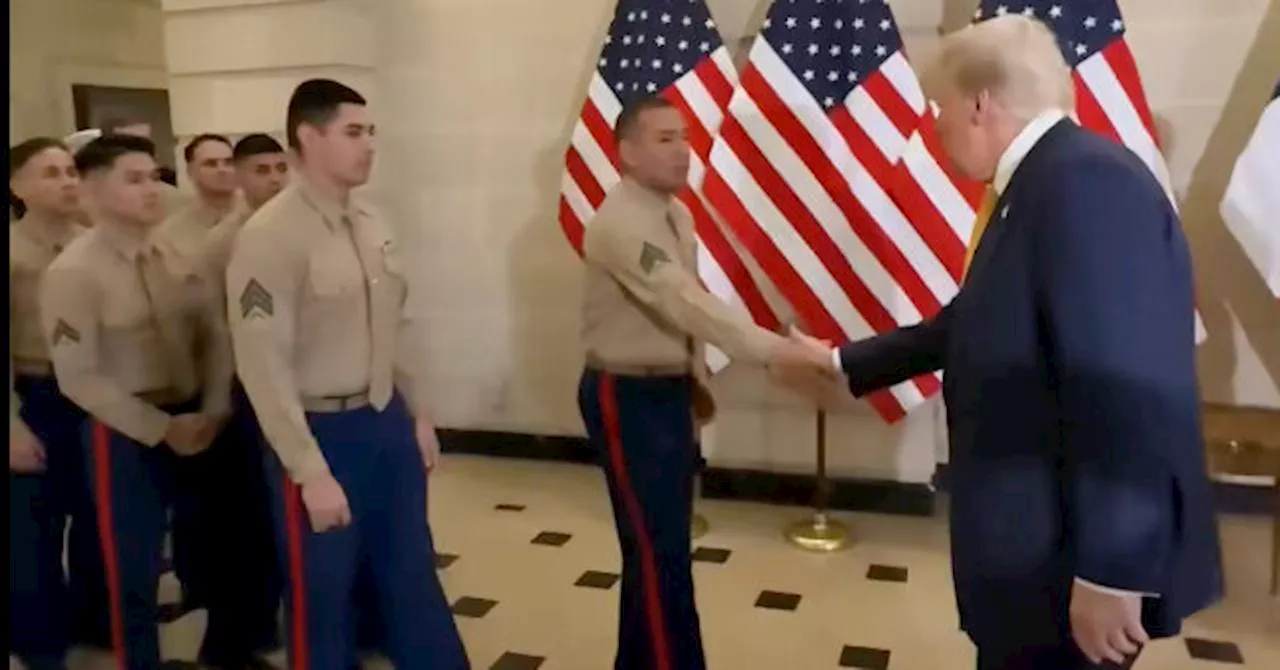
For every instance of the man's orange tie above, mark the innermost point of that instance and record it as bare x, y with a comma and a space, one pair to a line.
979, 227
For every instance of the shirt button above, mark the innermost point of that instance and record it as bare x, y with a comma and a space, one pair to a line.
373, 282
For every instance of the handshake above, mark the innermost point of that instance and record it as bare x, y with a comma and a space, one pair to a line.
804, 364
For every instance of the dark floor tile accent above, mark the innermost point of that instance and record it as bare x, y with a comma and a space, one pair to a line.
552, 538
445, 560
863, 495
887, 573
514, 661
473, 607
171, 612
864, 658
1213, 650
711, 555
508, 507
777, 600
597, 580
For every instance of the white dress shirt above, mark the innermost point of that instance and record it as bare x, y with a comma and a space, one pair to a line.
1022, 144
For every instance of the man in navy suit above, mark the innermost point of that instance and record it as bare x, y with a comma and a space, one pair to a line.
1081, 515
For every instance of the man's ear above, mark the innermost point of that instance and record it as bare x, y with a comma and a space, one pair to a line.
626, 152
981, 104
307, 133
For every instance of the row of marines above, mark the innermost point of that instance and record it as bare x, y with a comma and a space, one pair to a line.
158, 343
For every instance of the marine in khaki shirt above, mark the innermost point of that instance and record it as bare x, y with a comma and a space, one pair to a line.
262, 171
33, 245
45, 186
209, 167
644, 321
135, 323
644, 305
317, 312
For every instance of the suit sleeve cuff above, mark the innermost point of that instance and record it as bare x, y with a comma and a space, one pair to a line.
1114, 591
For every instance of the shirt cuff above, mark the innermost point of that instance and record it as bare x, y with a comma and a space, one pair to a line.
1112, 591
836, 362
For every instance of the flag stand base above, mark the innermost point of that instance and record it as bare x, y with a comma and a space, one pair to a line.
820, 533
698, 526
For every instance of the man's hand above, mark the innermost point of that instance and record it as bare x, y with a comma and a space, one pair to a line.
208, 428
326, 503
26, 453
804, 364
1106, 626
186, 434
428, 442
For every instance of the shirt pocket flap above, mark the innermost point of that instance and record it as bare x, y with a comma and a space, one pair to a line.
334, 271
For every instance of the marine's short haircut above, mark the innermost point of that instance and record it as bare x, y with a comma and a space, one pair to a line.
21, 154
315, 102
102, 153
254, 145
189, 151
629, 118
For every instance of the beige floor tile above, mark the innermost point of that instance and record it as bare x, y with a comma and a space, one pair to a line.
540, 612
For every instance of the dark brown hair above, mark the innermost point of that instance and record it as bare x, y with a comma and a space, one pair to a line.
19, 156
629, 118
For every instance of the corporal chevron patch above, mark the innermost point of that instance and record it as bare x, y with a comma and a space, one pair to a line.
651, 256
63, 332
256, 301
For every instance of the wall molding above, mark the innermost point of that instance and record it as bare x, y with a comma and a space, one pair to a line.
848, 494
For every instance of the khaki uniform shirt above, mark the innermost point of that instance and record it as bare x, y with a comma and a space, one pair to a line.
643, 301
317, 301
190, 228
175, 199
132, 321
33, 244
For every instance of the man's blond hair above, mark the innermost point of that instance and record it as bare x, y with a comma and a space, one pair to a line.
1013, 58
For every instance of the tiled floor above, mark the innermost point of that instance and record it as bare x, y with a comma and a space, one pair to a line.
529, 559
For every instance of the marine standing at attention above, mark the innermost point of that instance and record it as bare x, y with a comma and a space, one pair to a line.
262, 171
225, 553
49, 610
317, 317
645, 319
138, 340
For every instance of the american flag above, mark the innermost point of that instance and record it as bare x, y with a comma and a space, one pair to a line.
670, 48
826, 171
1253, 196
1109, 95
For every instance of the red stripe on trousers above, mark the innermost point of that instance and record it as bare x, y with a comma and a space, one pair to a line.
293, 520
100, 442
648, 566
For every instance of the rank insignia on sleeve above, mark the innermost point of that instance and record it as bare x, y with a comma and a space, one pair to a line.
255, 301
63, 332
651, 256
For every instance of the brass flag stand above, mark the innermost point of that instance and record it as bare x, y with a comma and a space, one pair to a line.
820, 533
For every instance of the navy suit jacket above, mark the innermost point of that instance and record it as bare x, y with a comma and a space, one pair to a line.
1072, 402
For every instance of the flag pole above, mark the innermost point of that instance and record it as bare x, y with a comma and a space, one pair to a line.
820, 533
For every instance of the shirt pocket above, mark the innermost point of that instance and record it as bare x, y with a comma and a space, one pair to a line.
334, 273
129, 322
